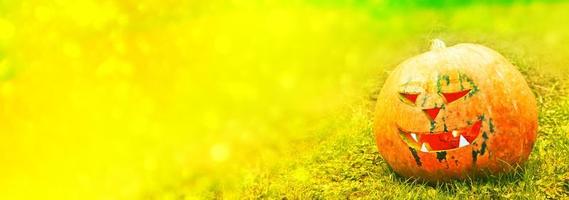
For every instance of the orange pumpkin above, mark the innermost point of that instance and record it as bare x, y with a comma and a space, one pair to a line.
453, 113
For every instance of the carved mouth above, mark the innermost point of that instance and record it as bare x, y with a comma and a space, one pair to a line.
442, 141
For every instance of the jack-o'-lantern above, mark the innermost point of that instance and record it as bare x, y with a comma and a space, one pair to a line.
454, 113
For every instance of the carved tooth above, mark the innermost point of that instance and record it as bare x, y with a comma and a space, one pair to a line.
414, 136
455, 133
463, 142
424, 148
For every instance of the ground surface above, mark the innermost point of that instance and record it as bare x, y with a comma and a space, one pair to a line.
347, 165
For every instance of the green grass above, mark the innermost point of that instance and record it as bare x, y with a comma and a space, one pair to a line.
347, 165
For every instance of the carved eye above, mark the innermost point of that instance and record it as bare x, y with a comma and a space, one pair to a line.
411, 97
453, 96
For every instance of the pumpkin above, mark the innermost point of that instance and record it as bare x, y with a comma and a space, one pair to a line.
455, 113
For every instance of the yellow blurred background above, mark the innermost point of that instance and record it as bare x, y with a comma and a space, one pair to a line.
143, 99
122, 99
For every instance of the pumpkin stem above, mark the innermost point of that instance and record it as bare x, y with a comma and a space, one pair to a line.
437, 44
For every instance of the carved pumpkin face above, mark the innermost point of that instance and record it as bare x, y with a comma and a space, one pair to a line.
453, 113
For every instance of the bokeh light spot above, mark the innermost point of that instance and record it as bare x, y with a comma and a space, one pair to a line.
219, 152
